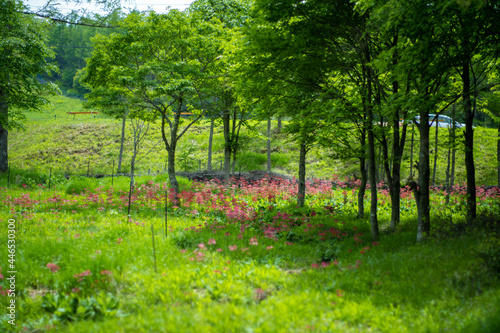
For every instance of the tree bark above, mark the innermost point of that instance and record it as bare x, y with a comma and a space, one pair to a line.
411, 150
269, 145
498, 154
280, 126
210, 143
227, 145
435, 153
4, 120
364, 178
469, 144
301, 195
122, 140
423, 178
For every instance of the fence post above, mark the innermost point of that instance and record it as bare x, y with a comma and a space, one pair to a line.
50, 177
88, 168
113, 173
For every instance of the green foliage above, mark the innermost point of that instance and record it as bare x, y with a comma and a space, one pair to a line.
72, 308
79, 185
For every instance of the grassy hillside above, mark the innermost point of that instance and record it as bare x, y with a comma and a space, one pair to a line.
69, 144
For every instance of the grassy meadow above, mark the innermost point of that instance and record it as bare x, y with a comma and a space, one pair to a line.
230, 257
79, 144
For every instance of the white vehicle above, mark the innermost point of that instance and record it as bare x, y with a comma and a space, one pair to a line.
440, 121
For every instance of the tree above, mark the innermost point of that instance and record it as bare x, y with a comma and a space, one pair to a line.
23, 55
163, 65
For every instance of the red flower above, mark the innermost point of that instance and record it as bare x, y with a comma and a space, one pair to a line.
53, 267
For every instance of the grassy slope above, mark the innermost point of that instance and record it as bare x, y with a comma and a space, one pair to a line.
66, 144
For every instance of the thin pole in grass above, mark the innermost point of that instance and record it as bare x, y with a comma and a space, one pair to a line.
166, 216
154, 249
113, 173
50, 177
88, 168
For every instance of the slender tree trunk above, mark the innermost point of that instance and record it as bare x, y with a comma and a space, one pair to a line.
227, 144
453, 147
210, 143
269, 145
469, 144
280, 126
4, 120
498, 154
301, 195
364, 178
423, 179
436, 141
122, 141
372, 174
447, 181
174, 185
233, 165
132, 180
411, 150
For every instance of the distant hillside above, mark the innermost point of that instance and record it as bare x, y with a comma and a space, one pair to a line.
67, 144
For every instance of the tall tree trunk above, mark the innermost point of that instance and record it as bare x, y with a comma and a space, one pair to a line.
453, 146
227, 144
4, 120
122, 140
174, 185
469, 144
269, 144
364, 178
301, 195
372, 172
423, 179
411, 150
233, 165
280, 126
436, 141
210, 143
447, 181
132, 181
498, 154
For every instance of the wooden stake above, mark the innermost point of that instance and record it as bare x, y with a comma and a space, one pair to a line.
154, 249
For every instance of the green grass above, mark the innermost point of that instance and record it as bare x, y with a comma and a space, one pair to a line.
396, 285
67, 145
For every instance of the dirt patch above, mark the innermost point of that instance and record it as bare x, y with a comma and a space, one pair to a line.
251, 176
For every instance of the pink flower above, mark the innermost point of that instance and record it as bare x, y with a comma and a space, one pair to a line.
219, 250
182, 251
340, 293
75, 290
244, 249
288, 243
201, 246
212, 241
119, 240
77, 236
325, 264
217, 272
80, 276
53, 267
233, 247
253, 241
269, 247
105, 272
315, 265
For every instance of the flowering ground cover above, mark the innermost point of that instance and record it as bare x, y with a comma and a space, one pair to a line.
241, 257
